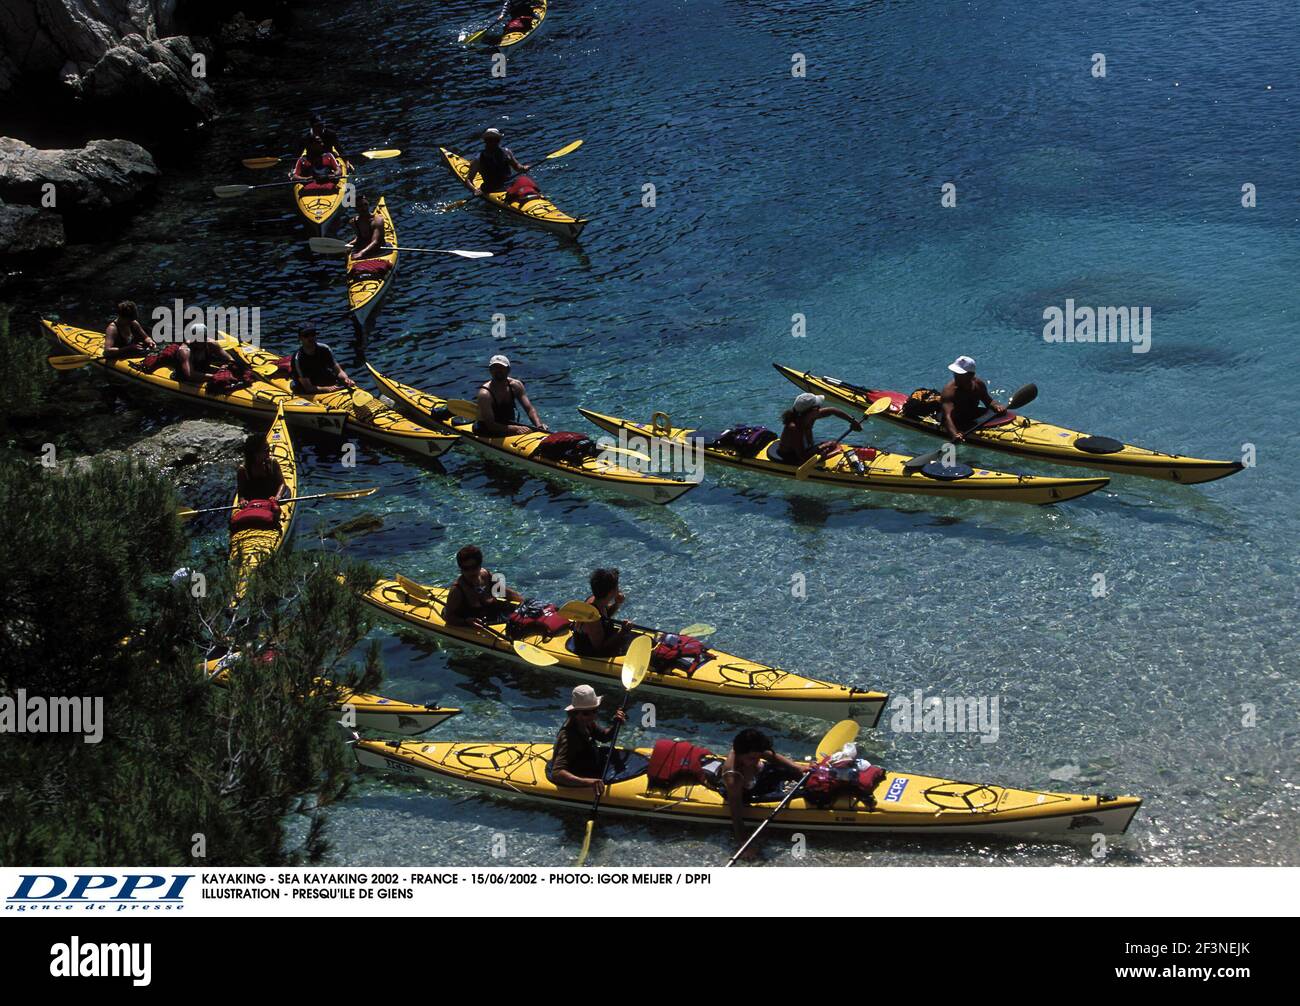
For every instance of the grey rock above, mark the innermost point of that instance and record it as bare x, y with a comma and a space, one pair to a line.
26, 229
102, 175
196, 453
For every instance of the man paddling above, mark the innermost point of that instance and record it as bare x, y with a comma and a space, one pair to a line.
797, 422
125, 336
964, 398
477, 597
369, 227
499, 401
495, 164
317, 166
576, 760
314, 367
328, 137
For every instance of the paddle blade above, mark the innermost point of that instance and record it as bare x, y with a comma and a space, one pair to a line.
458, 251
380, 155
535, 655
878, 406
462, 409
73, 361
636, 663
412, 589
580, 611
698, 629
328, 246
586, 842
259, 163
1023, 396
806, 469
921, 460
353, 494
230, 191
564, 150
837, 736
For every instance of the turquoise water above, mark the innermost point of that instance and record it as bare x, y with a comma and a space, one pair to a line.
820, 196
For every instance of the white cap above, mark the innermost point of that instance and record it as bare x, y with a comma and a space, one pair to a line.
198, 332
492, 131
962, 365
499, 361
584, 697
808, 400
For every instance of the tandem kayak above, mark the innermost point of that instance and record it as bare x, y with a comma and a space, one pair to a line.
249, 548
540, 211
318, 203
1029, 438
722, 677
905, 803
514, 36
366, 286
522, 448
367, 416
369, 712
884, 472
257, 402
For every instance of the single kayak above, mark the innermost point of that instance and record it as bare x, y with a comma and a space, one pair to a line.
880, 471
370, 712
369, 279
318, 202
905, 803
540, 211
1016, 434
530, 450
513, 36
258, 402
367, 416
250, 547
721, 677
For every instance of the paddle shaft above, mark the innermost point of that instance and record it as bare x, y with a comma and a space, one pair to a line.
290, 499
609, 758
794, 791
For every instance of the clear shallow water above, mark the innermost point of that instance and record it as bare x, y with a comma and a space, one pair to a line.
821, 196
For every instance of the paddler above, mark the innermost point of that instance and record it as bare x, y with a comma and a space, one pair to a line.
576, 761
259, 477
752, 770
316, 165
796, 445
478, 596
499, 400
125, 336
328, 137
964, 398
605, 638
314, 367
369, 227
495, 164
199, 355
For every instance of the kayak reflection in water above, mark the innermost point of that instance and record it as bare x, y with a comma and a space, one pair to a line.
751, 771
605, 638
496, 164
576, 761
317, 164
125, 336
259, 477
478, 596
314, 366
498, 401
796, 445
369, 227
964, 398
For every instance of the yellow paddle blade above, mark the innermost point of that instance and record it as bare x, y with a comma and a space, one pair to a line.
806, 469
878, 406
564, 150
70, 362
636, 664
535, 654
258, 163
462, 409
698, 629
352, 494
627, 452
412, 588
380, 155
837, 736
586, 842
579, 611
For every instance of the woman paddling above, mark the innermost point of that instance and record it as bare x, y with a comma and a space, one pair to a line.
752, 770
606, 637
369, 227
478, 597
796, 444
125, 336
259, 477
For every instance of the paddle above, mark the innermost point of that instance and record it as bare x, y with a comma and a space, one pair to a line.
535, 655
333, 246
70, 362
1023, 396
462, 409
579, 611
467, 39
260, 163
636, 663
553, 155
698, 629
230, 191
806, 469
349, 494
836, 737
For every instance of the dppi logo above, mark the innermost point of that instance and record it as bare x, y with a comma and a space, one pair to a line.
98, 892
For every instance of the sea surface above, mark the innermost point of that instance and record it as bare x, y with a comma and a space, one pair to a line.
820, 196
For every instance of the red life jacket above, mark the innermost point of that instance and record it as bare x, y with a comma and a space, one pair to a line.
828, 781
165, 357
256, 515
672, 761
522, 189
370, 267
670, 648
533, 618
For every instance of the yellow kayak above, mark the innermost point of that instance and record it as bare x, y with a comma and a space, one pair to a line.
249, 548
721, 678
318, 208
522, 449
905, 803
1029, 438
365, 290
258, 402
540, 211
509, 38
883, 473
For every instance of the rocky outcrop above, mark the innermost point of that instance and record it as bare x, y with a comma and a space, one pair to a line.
118, 55
200, 454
